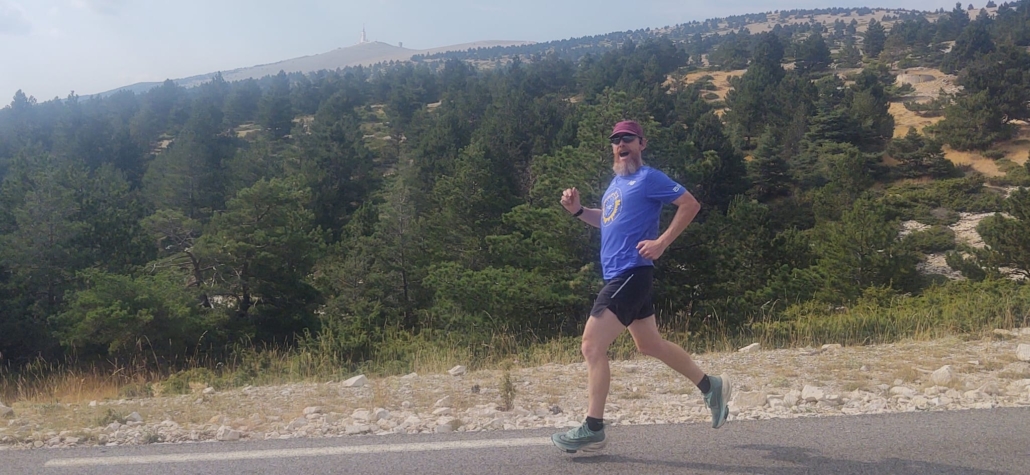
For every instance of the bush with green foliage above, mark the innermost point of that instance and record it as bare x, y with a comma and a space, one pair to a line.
935, 239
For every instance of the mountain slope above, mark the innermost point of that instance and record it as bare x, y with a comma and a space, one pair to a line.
364, 54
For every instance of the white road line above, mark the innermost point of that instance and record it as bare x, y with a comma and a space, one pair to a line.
310, 452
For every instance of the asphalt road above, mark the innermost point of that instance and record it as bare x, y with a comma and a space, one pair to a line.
993, 441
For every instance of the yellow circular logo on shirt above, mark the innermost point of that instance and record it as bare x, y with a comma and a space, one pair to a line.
612, 203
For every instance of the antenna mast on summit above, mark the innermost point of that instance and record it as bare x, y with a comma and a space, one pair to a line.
364, 39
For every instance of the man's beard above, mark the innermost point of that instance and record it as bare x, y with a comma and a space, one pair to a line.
626, 167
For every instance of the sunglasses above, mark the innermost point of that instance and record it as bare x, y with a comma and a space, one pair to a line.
628, 138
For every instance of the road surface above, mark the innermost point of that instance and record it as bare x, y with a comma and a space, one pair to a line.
991, 441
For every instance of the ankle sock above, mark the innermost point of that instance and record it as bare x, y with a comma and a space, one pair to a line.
705, 385
595, 424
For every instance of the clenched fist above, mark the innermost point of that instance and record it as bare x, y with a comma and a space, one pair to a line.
570, 200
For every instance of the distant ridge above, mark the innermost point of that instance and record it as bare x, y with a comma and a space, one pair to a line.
364, 54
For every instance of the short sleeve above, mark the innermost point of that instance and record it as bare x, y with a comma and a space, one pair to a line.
662, 188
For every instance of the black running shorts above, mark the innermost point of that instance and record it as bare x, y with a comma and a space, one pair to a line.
628, 295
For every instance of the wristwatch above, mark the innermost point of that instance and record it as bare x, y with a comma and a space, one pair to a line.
577, 213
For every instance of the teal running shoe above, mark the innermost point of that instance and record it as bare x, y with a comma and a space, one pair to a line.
580, 439
717, 399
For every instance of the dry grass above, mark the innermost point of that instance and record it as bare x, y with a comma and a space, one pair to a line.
906, 373
905, 119
828, 19
719, 78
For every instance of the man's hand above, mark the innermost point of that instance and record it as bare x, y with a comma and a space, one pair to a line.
570, 200
651, 250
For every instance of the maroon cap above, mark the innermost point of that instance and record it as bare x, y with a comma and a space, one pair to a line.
627, 127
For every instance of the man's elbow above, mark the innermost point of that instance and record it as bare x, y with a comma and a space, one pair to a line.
687, 202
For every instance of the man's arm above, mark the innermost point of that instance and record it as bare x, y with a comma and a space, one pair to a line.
570, 201
591, 216
685, 213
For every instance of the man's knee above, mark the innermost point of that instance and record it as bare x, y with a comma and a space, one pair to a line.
592, 350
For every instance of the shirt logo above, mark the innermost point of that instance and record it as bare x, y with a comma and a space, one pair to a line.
634, 182
612, 204
677, 188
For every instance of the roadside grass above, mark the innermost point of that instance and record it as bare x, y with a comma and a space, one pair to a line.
958, 308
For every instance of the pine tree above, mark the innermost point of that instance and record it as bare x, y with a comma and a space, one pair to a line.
813, 55
874, 39
767, 170
275, 109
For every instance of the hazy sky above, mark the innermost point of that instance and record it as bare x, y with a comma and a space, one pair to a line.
51, 47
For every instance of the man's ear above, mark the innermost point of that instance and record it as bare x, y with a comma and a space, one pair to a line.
643, 143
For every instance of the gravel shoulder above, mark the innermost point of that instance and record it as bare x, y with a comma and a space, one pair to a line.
953, 373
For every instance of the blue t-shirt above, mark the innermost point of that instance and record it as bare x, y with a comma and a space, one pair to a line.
629, 214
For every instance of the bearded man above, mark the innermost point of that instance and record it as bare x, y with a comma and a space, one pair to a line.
630, 243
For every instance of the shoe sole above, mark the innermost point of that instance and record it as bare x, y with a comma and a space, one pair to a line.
726, 392
588, 448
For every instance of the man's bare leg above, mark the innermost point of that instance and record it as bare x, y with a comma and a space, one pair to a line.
598, 335
717, 390
650, 342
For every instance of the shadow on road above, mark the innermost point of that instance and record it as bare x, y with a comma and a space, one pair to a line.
803, 460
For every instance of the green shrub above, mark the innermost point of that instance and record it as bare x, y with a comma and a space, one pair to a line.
957, 307
135, 390
179, 383
933, 240
994, 154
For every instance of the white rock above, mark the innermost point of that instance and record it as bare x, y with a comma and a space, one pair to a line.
943, 376
209, 390
225, 433
297, 423
831, 346
361, 415
355, 382
379, 414
134, 417
1023, 352
443, 402
457, 371
442, 411
92, 404
410, 376
413, 420
902, 391
358, 429
792, 398
444, 425
750, 348
751, 399
920, 402
6, 412
812, 393
1018, 388
312, 410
